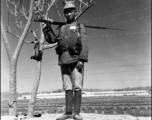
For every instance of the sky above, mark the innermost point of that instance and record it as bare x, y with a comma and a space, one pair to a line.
117, 59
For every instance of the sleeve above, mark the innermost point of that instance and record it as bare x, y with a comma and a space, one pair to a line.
84, 42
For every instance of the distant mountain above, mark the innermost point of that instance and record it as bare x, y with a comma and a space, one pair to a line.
5, 95
147, 88
58, 91
96, 90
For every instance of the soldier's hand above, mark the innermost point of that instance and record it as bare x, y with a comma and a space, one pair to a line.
80, 65
45, 24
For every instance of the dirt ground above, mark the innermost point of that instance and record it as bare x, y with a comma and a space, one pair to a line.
86, 116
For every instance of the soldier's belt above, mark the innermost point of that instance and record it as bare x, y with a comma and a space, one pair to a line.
74, 50
61, 49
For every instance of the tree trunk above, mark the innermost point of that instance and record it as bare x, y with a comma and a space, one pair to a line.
34, 91
37, 79
13, 96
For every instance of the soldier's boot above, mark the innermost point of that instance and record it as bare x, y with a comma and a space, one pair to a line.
77, 105
69, 106
38, 57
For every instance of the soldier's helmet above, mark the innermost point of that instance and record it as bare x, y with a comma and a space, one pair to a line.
68, 4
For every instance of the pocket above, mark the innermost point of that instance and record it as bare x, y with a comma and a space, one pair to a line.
75, 50
72, 34
72, 38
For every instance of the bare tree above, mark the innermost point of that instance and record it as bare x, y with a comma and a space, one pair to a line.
41, 10
13, 57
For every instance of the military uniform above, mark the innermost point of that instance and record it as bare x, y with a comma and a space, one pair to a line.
70, 35
71, 49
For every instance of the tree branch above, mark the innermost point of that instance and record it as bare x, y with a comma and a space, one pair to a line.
21, 41
9, 7
12, 33
15, 12
49, 8
49, 46
81, 1
34, 34
16, 30
86, 4
31, 42
58, 11
6, 43
80, 7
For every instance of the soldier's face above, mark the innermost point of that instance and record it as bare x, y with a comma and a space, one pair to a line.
70, 14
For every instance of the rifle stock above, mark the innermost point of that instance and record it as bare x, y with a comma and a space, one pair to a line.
51, 22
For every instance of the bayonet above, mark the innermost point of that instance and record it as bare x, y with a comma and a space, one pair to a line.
98, 27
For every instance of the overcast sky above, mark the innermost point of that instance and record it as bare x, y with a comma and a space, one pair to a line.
117, 59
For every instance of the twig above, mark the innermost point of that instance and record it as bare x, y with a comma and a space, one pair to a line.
80, 7
58, 11
9, 7
81, 1
85, 10
87, 4
23, 11
15, 13
8, 19
12, 34
34, 34
16, 29
49, 8
31, 42
8, 28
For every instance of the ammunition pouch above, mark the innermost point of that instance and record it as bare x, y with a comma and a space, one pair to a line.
72, 41
60, 49
74, 50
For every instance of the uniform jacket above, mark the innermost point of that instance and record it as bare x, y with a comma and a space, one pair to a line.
65, 33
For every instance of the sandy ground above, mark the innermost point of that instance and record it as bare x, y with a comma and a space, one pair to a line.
85, 117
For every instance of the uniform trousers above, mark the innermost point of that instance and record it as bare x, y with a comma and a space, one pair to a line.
72, 76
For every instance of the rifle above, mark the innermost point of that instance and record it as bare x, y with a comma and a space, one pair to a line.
63, 23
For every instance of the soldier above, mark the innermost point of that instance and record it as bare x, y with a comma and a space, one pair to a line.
73, 52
